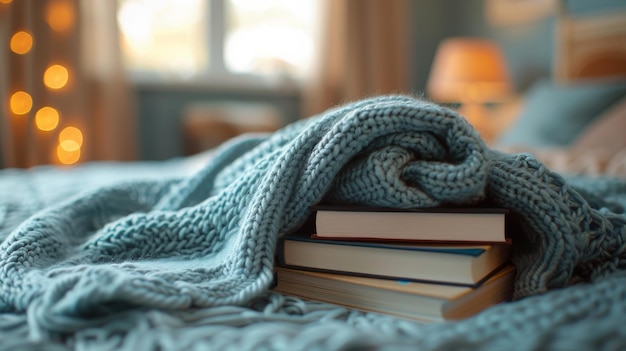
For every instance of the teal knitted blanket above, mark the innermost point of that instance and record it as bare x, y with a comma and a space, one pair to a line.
148, 256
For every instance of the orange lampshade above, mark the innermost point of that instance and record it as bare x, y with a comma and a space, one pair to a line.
468, 70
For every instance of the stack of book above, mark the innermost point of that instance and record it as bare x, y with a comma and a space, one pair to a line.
428, 265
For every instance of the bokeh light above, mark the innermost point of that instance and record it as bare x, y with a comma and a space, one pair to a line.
47, 118
67, 157
21, 103
60, 15
56, 77
21, 42
5, 1
70, 139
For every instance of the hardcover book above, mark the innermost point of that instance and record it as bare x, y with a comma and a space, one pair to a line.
447, 224
453, 264
411, 300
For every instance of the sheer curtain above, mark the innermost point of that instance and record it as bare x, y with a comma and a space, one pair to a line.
64, 96
364, 50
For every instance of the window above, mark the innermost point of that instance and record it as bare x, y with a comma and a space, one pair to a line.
186, 39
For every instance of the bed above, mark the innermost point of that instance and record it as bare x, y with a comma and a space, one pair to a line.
179, 254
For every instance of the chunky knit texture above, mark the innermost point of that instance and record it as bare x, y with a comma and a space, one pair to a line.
148, 257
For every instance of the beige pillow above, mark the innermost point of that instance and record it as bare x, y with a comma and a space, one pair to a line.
605, 139
607, 133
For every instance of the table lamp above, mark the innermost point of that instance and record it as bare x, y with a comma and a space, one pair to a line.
472, 72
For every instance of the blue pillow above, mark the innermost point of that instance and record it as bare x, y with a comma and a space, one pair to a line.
555, 115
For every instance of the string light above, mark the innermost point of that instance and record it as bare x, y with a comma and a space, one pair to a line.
70, 139
21, 103
60, 15
67, 157
47, 118
21, 42
56, 77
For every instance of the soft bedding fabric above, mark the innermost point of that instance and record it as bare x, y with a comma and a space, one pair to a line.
167, 260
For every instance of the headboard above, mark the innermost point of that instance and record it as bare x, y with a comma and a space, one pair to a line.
590, 46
